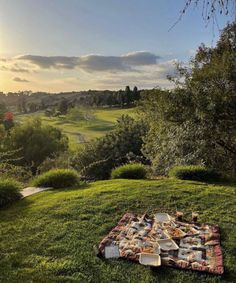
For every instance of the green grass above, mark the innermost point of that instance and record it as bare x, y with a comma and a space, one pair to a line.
49, 237
81, 131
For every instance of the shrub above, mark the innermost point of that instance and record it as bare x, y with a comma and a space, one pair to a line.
98, 170
129, 171
37, 141
194, 172
18, 173
57, 178
61, 161
9, 191
126, 137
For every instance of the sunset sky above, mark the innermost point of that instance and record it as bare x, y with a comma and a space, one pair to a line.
65, 45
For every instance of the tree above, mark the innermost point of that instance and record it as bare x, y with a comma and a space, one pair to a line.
136, 94
3, 110
196, 122
22, 104
37, 142
33, 107
63, 106
114, 147
128, 95
211, 9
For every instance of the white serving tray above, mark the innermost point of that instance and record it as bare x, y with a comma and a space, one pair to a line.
112, 252
167, 244
150, 259
162, 217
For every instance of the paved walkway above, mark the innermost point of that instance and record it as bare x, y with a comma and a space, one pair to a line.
32, 190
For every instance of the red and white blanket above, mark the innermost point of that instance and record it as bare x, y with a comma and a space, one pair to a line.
198, 244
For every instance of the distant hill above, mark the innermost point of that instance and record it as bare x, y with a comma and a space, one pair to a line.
28, 102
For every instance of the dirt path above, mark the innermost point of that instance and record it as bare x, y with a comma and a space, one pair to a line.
32, 190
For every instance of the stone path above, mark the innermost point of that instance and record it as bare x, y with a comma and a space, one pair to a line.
32, 190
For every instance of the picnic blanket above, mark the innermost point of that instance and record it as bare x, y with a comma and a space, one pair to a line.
198, 245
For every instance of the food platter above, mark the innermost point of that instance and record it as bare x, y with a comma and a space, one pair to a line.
150, 259
162, 217
190, 255
190, 242
168, 245
175, 233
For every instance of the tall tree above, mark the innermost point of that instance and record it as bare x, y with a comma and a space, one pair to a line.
128, 95
196, 122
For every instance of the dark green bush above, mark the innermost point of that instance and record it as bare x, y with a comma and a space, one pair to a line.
129, 171
57, 178
98, 170
19, 173
194, 172
127, 137
9, 191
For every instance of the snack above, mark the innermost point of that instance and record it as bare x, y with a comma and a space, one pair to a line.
175, 232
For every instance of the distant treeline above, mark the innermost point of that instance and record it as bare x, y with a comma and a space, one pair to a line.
28, 102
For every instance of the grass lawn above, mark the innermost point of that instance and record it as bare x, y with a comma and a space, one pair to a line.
81, 131
49, 237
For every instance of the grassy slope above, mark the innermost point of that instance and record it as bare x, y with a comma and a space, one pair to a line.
77, 131
49, 237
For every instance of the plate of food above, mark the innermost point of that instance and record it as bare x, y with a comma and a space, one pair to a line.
190, 255
191, 242
162, 217
175, 233
168, 245
150, 259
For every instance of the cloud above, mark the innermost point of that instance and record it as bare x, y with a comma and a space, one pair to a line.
93, 63
46, 62
19, 80
148, 77
15, 69
140, 58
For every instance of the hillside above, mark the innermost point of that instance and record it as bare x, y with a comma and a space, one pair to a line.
82, 131
49, 237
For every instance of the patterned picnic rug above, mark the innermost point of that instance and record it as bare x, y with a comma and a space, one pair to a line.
195, 247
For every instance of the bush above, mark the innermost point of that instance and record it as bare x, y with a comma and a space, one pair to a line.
98, 170
194, 172
61, 161
19, 173
9, 191
37, 141
129, 171
57, 178
126, 137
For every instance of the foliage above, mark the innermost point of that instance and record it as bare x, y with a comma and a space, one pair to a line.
212, 8
80, 114
61, 161
195, 123
10, 156
49, 237
3, 109
63, 106
112, 149
19, 173
194, 172
98, 170
57, 178
129, 171
9, 191
80, 132
37, 142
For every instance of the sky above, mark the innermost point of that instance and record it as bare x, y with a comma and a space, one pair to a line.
73, 45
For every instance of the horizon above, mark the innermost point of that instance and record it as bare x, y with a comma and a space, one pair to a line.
99, 44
